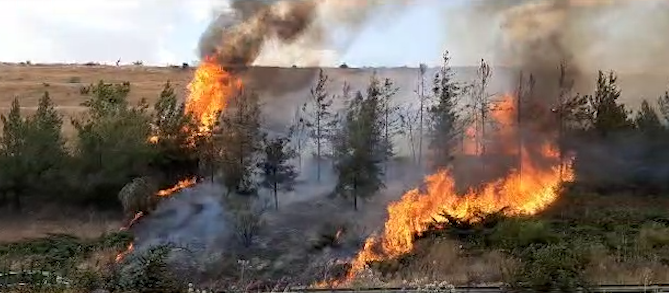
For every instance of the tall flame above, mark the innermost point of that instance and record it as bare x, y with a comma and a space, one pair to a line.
524, 192
210, 89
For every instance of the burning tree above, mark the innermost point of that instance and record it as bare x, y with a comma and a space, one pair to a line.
240, 139
360, 148
444, 117
278, 173
173, 137
321, 120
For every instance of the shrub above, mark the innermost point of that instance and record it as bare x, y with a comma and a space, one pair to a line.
551, 267
148, 272
653, 235
520, 233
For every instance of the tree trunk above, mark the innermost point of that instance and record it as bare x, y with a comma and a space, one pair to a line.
318, 145
355, 194
276, 198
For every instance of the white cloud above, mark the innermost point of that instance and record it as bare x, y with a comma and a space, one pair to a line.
102, 30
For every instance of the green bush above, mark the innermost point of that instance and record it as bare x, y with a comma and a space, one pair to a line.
513, 234
551, 267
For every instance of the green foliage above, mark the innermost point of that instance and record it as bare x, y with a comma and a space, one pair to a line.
177, 150
513, 234
321, 119
278, 174
552, 267
240, 138
149, 272
360, 148
32, 151
647, 120
112, 142
663, 102
608, 114
444, 118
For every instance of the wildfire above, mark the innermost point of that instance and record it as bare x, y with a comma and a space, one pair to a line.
524, 192
127, 251
179, 186
162, 193
210, 89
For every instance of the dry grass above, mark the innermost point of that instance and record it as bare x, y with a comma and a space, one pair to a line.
83, 224
445, 260
28, 84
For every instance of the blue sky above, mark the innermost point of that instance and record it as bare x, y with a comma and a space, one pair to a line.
166, 31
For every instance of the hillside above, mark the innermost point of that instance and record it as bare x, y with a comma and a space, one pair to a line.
28, 82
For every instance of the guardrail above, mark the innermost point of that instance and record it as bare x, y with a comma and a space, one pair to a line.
599, 289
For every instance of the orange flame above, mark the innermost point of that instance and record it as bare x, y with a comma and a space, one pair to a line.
524, 192
120, 256
179, 186
162, 193
210, 89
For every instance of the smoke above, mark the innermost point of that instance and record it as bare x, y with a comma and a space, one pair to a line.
238, 36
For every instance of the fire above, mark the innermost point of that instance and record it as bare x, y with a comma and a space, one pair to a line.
162, 193
179, 186
210, 89
128, 250
524, 192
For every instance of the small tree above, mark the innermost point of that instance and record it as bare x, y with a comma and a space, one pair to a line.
482, 102
298, 133
647, 120
112, 141
14, 157
322, 119
391, 123
444, 118
173, 130
240, 139
608, 115
663, 103
278, 173
360, 150
46, 146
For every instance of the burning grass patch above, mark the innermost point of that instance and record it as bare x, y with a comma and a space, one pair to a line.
582, 240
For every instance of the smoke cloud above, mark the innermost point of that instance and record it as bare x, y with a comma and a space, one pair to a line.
239, 36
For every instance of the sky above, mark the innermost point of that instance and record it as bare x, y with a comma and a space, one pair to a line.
161, 32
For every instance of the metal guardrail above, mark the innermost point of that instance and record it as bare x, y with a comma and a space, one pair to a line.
659, 288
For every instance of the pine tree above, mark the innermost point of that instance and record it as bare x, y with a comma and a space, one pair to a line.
278, 173
321, 120
46, 146
173, 138
112, 143
647, 121
609, 115
13, 159
444, 128
663, 103
240, 140
360, 148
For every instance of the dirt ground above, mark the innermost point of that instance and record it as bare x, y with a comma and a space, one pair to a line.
56, 220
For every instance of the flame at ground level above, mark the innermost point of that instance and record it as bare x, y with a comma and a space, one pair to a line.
520, 193
179, 186
161, 193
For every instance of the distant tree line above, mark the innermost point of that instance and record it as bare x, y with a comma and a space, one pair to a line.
113, 142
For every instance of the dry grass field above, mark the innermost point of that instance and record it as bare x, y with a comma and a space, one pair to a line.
28, 83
